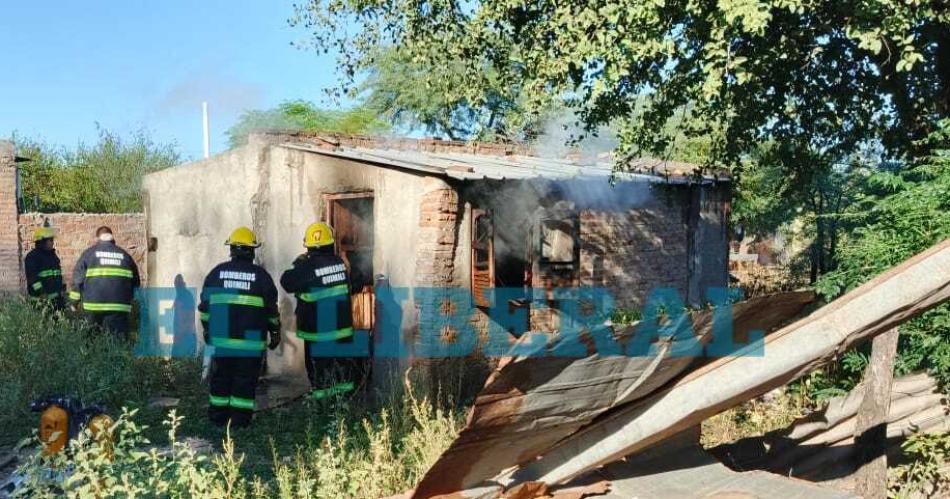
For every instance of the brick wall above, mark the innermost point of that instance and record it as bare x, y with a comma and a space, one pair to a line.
437, 238
9, 241
76, 231
634, 251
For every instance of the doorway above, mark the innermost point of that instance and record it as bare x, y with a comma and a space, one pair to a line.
351, 216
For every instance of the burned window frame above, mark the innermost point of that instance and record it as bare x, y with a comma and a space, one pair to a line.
482, 279
571, 220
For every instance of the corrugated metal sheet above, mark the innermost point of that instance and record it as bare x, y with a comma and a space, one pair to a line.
476, 167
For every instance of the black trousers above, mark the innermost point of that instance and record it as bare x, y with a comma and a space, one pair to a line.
117, 323
334, 375
233, 389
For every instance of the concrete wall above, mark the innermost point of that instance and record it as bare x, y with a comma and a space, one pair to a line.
77, 231
276, 191
9, 239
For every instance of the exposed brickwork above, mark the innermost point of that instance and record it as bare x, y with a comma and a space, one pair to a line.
76, 231
634, 251
9, 241
437, 238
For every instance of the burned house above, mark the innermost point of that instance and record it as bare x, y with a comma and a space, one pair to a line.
434, 214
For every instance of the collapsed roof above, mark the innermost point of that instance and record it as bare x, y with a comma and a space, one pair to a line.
477, 161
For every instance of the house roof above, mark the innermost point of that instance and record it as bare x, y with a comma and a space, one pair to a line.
477, 161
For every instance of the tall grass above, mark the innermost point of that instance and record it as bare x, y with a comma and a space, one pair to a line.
45, 353
313, 449
375, 457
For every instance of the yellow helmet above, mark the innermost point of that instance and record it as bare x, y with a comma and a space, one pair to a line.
43, 233
317, 235
242, 236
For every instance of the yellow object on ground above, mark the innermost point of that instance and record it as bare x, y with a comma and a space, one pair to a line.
54, 429
101, 428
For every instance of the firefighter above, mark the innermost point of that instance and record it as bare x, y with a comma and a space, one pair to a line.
238, 308
44, 276
104, 281
318, 279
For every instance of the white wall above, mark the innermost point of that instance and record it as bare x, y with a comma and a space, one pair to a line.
277, 191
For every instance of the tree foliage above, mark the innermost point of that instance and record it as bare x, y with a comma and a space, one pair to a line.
775, 189
105, 177
899, 215
415, 95
834, 74
301, 115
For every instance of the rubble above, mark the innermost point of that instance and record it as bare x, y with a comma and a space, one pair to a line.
530, 403
820, 446
551, 421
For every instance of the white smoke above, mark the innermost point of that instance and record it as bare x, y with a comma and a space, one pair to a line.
226, 96
562, 136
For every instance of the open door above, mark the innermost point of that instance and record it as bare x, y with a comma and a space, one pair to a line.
351, 216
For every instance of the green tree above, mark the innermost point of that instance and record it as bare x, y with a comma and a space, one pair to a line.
301, 115
899, 215
775, 189
416, 96
833, 74
105, 177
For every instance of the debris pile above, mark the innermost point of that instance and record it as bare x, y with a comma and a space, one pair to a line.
553, 420
820, 446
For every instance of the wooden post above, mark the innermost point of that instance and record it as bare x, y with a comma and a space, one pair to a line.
870, 433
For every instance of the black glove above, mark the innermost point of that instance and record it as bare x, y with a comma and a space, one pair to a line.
274, 337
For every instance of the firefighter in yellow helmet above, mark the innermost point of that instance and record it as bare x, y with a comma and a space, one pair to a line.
44, 275
238, 312
319, 281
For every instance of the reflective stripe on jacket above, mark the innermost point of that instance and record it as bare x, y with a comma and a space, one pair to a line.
320, 282
105, 279
44, 276
239, 306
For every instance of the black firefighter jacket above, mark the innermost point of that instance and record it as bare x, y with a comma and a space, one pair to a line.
105, 279
238, 307
319, 281
44, 276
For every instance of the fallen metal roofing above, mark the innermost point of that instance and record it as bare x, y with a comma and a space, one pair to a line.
552, 423
464, 166
531, 403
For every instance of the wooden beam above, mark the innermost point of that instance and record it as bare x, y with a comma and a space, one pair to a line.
870, 435
885, 302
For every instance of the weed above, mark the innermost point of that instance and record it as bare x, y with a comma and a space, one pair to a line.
926, 471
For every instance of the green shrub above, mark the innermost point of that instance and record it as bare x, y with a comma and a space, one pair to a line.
925, 474
105, 177
908, 213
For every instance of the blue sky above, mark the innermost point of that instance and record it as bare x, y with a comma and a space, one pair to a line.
131, 64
